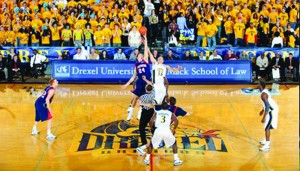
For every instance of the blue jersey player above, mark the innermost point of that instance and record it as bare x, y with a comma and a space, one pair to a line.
43, 111
142, 69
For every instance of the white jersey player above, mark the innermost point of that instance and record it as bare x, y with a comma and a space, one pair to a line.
159, 77
162, 120
270, 115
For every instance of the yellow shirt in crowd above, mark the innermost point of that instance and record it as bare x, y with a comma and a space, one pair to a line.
251, 33
99, 37
211, 30
239, 30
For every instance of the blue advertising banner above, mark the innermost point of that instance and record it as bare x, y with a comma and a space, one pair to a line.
222, 50
121, 71
187, 34
55, 52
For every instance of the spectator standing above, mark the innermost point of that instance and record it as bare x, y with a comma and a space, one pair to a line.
211, 31
134, 38
88, 35
125, 31
239, 31
277, 41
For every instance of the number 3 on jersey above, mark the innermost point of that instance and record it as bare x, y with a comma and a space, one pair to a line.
141, 70
163, 119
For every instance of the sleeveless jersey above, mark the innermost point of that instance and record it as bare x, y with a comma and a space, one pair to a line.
43, 97
273, 105
163, 119
159, 72
143, 69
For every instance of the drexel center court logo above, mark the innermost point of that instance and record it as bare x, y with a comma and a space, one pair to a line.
62, 70
123, 137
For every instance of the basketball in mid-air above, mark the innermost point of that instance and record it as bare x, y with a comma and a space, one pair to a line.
143, 30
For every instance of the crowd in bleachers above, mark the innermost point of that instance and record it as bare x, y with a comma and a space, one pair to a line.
116, 23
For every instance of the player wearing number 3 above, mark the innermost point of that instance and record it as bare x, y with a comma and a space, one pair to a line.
43, 110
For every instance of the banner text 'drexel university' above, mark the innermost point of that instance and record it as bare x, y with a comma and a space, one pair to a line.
121, 71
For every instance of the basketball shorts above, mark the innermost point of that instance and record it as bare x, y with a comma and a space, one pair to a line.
160, 93
42, 113
271, 120
140, 88
163, 134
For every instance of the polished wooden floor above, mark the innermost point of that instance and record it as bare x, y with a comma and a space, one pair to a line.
222, 132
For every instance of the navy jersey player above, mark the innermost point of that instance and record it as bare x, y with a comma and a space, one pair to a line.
43, 110
142, 69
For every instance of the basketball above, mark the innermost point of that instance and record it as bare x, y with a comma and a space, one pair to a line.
143, 30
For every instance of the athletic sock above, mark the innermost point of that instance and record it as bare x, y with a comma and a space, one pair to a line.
176, 157
147, 156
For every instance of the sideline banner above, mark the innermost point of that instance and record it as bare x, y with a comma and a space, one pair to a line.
121, 71
222, 50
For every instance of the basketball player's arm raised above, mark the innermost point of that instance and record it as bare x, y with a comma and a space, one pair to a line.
50, 95
264, 98
152, 121
146, 55
153, 60
174, 69
130, 80
174, 118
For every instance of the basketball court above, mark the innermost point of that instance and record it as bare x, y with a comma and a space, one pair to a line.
222, 132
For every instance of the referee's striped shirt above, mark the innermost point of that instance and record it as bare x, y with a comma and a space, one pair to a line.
148, 98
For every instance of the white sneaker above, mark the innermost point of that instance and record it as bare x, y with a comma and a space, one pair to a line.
130, 113
262, 142
140, 151
177, 162
147, 162
265, 148
138, 117
35, 132
50, 136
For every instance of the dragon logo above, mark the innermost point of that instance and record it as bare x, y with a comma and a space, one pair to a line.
62, 70
123, 137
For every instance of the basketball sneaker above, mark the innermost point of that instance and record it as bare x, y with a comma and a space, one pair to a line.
177, 162
147, 162
130, 113
262, 142
266, 147
50, 136
35, 132
140, 151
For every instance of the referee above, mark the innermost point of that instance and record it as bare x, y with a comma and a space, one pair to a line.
147, 102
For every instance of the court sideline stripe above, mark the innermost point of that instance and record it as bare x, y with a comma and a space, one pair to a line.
250, 139
59, 123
